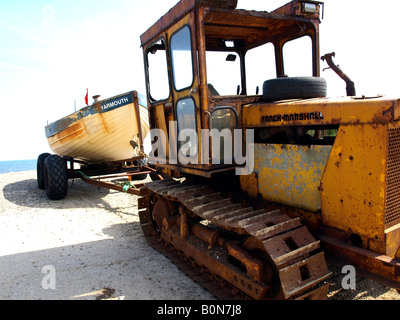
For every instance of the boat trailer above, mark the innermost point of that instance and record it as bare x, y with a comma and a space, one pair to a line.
130, 171
53, 173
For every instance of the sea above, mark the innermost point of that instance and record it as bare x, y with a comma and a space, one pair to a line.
17, 166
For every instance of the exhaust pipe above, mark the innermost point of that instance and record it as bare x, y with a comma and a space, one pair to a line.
350, 88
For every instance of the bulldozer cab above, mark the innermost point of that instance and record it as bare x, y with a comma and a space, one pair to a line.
204, 60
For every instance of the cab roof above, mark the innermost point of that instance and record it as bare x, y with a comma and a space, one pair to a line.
224, 20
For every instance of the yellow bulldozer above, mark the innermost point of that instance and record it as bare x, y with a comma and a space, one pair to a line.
264, 177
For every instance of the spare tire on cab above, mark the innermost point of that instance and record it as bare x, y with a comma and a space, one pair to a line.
294, 88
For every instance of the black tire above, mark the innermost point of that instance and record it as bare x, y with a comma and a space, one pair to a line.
55, 177
141, 162
294, 88
40, 170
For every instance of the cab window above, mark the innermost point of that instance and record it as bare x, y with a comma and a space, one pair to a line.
223, 73
181, 54
260, 66
297, 57
224, 119
157, 71
186, 116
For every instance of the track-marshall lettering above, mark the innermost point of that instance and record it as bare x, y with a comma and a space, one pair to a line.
304, 116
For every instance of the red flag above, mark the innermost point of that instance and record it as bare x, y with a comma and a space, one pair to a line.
87, 97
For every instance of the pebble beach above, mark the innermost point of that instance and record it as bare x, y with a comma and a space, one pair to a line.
90, 246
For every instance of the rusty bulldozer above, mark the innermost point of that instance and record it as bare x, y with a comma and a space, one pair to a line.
311, 177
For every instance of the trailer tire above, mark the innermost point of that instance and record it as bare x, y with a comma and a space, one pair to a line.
294, 88
55, 177
141, 162
40, 170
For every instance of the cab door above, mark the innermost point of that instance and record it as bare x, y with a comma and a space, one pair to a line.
185, 91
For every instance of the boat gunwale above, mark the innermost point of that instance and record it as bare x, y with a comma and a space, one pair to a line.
65, 122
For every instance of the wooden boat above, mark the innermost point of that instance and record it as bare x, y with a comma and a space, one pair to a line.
106, 131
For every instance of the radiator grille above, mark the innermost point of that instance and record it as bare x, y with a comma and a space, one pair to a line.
392, 216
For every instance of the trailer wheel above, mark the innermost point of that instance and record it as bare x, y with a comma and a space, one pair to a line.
40, 170
55, 177
141, 162
294, 88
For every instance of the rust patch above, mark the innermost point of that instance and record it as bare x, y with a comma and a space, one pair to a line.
385, 116
67, 134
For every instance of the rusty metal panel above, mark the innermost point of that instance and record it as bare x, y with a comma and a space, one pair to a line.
291, 174
249, 184
354, 183
177, 12
172, 16
321, 111
218, 3
293, 280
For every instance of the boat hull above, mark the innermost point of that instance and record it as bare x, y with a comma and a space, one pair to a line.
107, 131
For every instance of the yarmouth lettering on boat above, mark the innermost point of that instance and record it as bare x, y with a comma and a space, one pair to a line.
115, 103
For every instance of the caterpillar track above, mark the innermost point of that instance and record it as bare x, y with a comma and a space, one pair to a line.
232, 251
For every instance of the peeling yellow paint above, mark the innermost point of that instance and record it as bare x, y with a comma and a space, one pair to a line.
291, 174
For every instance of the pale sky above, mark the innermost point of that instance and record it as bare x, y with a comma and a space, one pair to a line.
52, 50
